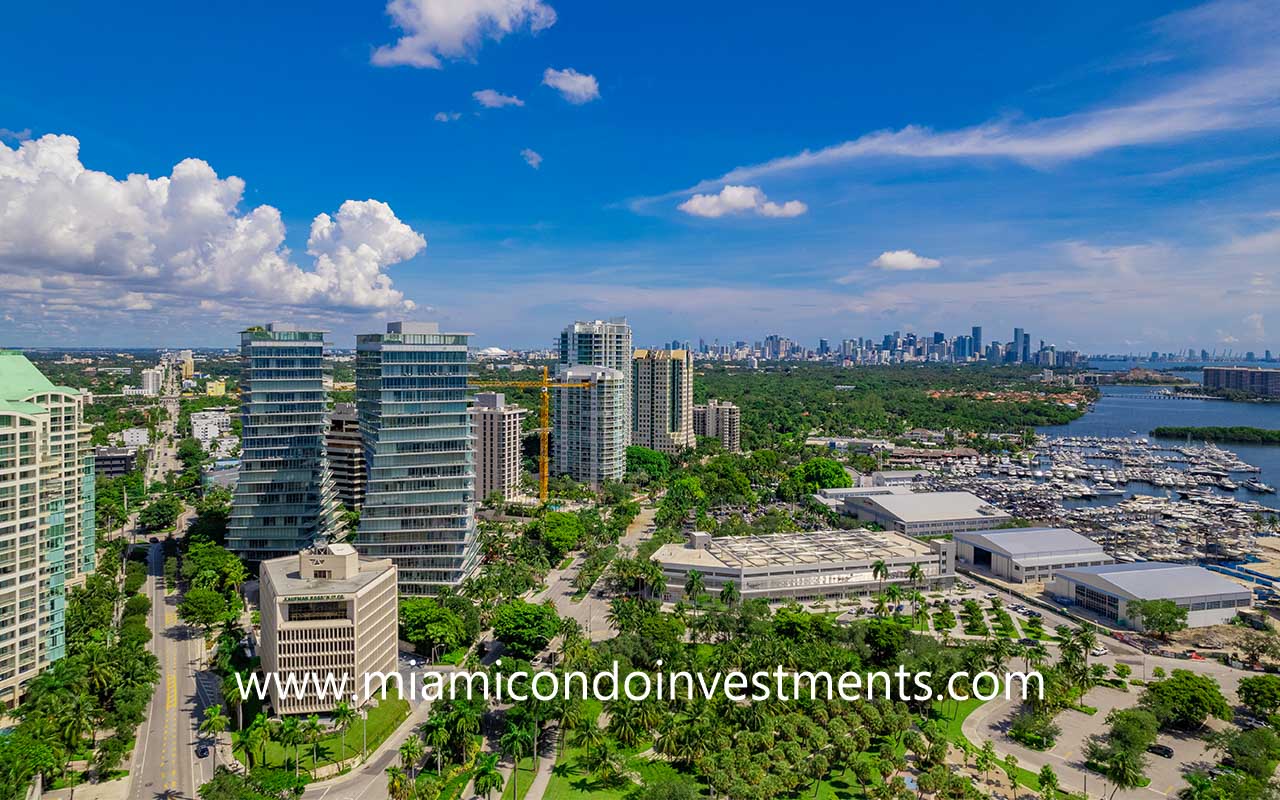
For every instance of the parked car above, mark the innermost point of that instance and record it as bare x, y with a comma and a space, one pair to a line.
1162, 750
202, 751
1099, 651
991, 595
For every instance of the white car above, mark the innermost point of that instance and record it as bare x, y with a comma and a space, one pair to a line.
1099, 651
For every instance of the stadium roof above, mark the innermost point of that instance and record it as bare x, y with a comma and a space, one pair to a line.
1154, 580
1023, 542
926, 506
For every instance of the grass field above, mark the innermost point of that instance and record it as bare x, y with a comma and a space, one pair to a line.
383, 719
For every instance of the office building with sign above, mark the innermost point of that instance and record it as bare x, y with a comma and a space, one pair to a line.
326, 611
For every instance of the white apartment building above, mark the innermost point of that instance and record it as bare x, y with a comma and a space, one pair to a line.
136, 437
601, 343
720, 420
209, 425
590, 442
152, 381
47, 534
327, 611
662, 400
497, 430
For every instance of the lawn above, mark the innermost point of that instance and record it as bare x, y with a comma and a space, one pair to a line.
384, 718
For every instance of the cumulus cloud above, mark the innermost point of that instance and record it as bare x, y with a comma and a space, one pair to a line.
74, 235
740, 199
903, 260
491, 99
439, 29
531, 157
448, 116
572, 85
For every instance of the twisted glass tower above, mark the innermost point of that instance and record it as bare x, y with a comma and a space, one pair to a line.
419, 450
285, 498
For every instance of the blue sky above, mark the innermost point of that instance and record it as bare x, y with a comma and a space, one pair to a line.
1101, 174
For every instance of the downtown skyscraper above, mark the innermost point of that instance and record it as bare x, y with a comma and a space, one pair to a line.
419, 450
285, 498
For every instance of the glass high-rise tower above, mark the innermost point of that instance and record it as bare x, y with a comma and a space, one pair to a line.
419, 450
285, 498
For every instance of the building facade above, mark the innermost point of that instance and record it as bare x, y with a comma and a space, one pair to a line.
1024, 555
419, 451
600, 343
209, 425
47, 534
497, 427
135, 437
1110, 590
1253, 380
805, 566
112, 462
662, 400
326, 611
346, 455
590, 442
284, 499
152, 381
926, 514
719, 420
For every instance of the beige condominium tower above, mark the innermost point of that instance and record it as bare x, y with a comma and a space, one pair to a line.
662, 400
47, 536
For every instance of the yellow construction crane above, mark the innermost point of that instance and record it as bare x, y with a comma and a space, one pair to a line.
544, 418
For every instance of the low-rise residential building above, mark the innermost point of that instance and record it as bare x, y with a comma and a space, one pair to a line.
719, 420
926, 514
112, 462
1024, 555
215, 388
1110, 590
209, 425
135, 437
805, 566
326, 611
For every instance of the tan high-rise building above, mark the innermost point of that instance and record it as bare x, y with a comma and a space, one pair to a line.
719, 420
326, 611
47, 536
662, 400
497, 429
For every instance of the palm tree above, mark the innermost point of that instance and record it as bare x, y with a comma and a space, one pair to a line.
487, 776
986, 760
213, 724
694, 586
411, 752
880, 572
343, 716
516, 741
313, 731
729, 593
231, 694
290, 735
916, 575
1124, 770
398, 785
438, 737
882, 604
258, 735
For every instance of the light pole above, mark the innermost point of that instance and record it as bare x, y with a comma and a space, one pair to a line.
364, 732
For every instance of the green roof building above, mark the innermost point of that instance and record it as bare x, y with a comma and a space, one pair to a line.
47, 537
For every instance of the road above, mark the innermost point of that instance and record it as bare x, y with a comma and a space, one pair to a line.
166, 767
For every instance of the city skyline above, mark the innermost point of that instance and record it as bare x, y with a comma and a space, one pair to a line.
1117, 186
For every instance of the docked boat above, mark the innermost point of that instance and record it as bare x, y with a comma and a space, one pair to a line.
1104, 489
1255, 485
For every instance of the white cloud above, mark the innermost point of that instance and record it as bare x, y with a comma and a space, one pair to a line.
75, 235
531, 157
439, 29
15, 136
1239, 90
448, 116
491, 99
903, 260
573, 85
1253, 325
739, 199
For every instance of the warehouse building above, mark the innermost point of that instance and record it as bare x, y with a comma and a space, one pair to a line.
1109, 589
1024, 555
805, 566
926, 514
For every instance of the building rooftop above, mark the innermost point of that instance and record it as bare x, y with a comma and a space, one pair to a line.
795, 549
286, 575
19, 378
926, 506
1022, 542
1155, 580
